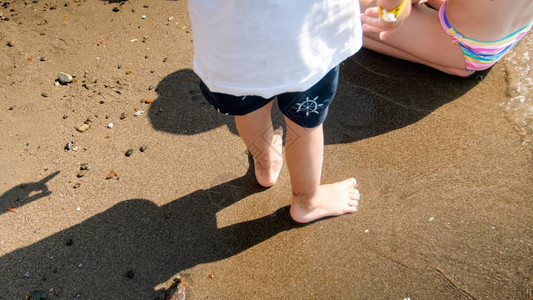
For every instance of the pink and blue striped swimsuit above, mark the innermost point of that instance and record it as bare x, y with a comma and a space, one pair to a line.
481, 55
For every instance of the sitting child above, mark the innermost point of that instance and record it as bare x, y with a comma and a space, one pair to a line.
454, 36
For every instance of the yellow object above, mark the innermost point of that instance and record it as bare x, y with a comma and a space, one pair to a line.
391, 16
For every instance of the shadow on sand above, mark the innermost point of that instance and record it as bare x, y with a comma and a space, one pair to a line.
371, 100
126, 251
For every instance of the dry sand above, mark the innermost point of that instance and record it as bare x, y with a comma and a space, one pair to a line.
447, 187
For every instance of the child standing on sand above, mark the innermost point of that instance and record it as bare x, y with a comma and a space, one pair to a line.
248, 52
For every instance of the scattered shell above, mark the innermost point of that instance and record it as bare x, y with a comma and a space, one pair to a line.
85, 166
143, 148
138, 113
64, 78
128, 72
149, 100
81, 173
68, 146
143, 17
77, 185
110, 125
129, 152
11, 209
111, 174
123, 116
82, 128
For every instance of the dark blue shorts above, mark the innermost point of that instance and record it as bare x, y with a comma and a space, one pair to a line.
307, 109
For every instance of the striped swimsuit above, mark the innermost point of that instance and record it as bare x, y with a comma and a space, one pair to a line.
481, 55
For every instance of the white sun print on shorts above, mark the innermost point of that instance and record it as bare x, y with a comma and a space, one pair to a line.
308, 106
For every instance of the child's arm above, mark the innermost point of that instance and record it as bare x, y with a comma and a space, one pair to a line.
386, 17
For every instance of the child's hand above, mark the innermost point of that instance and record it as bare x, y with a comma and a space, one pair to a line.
372, 22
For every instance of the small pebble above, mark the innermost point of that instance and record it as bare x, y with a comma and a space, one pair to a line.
116, 9
149, 100
82, 128
143, 148
69, 242
68, 146
39, 295
129, 152
28, 274
211, 275
111, 174
110, 125
85, 166
81, 173
9, 44
77, 185
123, 116
45, 95
143, 17
64, 78
130, 274
42, 58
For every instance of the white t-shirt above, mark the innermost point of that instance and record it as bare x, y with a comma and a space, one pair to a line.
268, 47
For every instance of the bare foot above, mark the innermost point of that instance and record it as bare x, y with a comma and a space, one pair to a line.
268, 166
330, 200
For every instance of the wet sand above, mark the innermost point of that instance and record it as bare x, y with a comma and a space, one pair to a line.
445, 213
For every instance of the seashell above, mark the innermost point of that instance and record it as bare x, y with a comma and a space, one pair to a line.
138, 113
110, 125
149, 100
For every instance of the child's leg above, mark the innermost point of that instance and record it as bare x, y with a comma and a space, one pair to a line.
263, 142
310, 200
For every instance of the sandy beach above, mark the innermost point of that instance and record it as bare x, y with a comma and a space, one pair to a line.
445, 180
